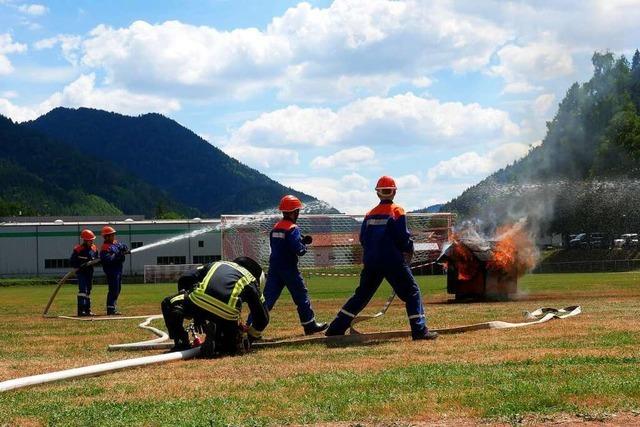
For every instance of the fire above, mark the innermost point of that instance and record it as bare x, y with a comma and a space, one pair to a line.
466, 264
514, 252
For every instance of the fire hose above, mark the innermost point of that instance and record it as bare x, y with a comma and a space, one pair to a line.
536, 317
62, 281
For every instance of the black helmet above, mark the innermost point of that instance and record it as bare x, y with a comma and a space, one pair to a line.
252, 267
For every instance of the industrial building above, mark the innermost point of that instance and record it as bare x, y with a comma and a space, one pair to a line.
43, 248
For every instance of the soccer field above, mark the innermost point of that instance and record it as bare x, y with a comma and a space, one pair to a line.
583, 368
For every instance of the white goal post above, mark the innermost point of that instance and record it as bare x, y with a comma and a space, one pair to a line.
335, 244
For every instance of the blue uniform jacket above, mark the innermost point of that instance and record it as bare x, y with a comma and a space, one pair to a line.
384, 235
286, 245
82, 254
112, 256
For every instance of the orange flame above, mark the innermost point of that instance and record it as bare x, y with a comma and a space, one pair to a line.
515, 251
466, 263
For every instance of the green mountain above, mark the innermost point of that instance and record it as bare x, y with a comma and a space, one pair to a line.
585, 177
39, 176
166, 155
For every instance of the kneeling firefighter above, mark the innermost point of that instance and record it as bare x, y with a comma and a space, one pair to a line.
214, 303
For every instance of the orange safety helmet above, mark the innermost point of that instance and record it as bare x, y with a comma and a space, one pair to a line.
106, 230
386, 183
87, 235
289, 203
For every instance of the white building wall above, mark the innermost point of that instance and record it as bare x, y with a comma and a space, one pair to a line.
25, 248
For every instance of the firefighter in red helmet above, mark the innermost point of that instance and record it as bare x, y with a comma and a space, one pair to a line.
287, 244
387, 249
112, 255
82, 254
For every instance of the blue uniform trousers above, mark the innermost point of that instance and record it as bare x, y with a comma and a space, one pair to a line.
401, 280
277, 279
114, 280
84, 292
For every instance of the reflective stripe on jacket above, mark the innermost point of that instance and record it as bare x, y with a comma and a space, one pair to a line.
224, 289
286, 244
384, 235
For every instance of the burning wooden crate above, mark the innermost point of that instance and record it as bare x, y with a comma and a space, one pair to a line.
479, 269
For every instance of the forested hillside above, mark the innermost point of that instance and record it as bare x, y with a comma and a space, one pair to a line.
39, 176
166, 155
586, 174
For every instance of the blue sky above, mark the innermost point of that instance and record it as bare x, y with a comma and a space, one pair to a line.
322, 96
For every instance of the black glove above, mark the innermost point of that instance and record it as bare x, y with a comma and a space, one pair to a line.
124, 249
307, 239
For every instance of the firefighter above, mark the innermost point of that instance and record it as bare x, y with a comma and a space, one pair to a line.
82, 254
387, 251
190, 278
287, 244
112, 256
214, 303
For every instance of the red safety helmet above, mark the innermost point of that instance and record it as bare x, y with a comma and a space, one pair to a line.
386, 183
106, 230
289, 203
87, 235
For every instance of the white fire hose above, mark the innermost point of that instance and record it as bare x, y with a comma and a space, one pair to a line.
536, 317
93, 370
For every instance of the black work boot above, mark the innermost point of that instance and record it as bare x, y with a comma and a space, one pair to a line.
427, 335
315, 327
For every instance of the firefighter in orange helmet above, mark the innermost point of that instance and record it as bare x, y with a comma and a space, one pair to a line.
287, 245
387, 250
82, 254
112, 255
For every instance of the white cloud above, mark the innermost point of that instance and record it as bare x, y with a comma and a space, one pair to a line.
84, 93
543, 104
33, 9
350, 158
538, 61
403, 119
9, 94
355, 193
263, 158
69, 44
351, 48
196, 61
408, 182
8, 46
472, 164
348, 194
355, 181
422, 82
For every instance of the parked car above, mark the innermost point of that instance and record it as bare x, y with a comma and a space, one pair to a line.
598, 241
631, 240
628, 240
579, 241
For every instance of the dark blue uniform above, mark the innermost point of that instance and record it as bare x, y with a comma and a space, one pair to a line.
112, 258
81, 255
384, 238
286, 246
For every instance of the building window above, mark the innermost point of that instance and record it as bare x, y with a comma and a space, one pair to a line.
135, 245
57, 263
201, 243
170, 260
205, 259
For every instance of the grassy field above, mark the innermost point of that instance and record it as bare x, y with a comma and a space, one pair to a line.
583, 369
